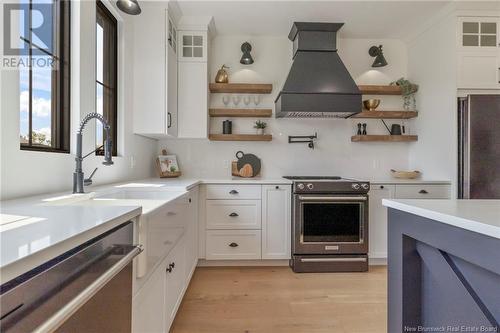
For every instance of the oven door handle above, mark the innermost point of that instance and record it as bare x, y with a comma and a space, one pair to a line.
70, 308
333, 198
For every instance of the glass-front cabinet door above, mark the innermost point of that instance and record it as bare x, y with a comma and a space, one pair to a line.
479, 32
192, 46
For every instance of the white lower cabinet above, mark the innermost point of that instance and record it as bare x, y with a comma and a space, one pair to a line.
244, 222
149, 303
233, 214
175, 281
158, 297
233, 244
192, 233
276, 221
377, 219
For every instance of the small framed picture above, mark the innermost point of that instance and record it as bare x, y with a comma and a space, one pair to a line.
168, 163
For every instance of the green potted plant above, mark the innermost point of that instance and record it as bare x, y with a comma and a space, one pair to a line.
260, 126
408, 90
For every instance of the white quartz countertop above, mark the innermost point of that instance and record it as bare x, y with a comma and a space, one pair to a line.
481, 216
36, 229
399, 181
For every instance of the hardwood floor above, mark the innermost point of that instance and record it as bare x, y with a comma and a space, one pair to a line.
275, 300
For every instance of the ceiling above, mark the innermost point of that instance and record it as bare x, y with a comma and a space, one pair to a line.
363, 19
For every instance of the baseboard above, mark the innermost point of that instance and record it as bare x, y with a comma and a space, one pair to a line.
219, 263
269, 263
377, 261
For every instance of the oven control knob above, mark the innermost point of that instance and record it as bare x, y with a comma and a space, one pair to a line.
300, 186
365, 186
310, 186
355, 186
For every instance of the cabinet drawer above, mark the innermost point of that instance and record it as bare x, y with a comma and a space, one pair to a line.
233, 214
233, 191
233, 244
422, 192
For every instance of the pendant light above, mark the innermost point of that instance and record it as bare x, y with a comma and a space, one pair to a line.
129, 6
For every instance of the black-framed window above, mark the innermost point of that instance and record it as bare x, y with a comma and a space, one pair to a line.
106, 74
44, 29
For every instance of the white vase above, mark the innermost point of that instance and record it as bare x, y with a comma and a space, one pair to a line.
260, 131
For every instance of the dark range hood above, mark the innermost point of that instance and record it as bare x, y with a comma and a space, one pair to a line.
318, 84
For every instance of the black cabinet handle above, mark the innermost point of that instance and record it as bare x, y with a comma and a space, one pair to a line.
172, 265
169, 269
423, 192
233, 192
189, 200
169, 120
233, 244
233, 214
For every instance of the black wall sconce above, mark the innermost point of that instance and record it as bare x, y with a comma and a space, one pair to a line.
246, 58
376, 51
309, 139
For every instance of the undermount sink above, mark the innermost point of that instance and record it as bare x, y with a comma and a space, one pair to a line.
138, 195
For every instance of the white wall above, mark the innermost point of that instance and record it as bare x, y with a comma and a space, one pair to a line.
334, 153
25, 172
432, 64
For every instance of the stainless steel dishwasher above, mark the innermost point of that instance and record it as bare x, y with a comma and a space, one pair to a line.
87, 289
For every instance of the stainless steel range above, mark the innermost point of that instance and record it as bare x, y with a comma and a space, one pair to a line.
329, 224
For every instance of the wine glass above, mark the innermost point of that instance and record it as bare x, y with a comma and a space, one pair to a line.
256, 99
246, 100
225, 100
236, 100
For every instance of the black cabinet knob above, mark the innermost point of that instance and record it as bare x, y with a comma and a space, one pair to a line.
169, 269
233, 214
189, 200
233, 192
381, 187
172, 265
233, 244
423, 192
277, 187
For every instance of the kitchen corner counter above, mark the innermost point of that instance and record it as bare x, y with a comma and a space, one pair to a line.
443, 265
481, 216
31, 234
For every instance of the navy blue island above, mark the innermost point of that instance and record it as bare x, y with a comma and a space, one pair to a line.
443, 265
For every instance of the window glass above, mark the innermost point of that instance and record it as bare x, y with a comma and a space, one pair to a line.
44, 87
106, 75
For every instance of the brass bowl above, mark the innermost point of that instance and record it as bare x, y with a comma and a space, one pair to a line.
371, 104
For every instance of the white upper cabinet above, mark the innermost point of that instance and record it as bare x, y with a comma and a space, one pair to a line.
478, 32
193, 94
155, 72
193, 46
478, 52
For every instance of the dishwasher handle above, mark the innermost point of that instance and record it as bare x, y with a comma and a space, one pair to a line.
70, 308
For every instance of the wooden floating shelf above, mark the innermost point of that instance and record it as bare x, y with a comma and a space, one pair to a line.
242, 88
247, 113
380, 90
384, 138
240, 137
386, 114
